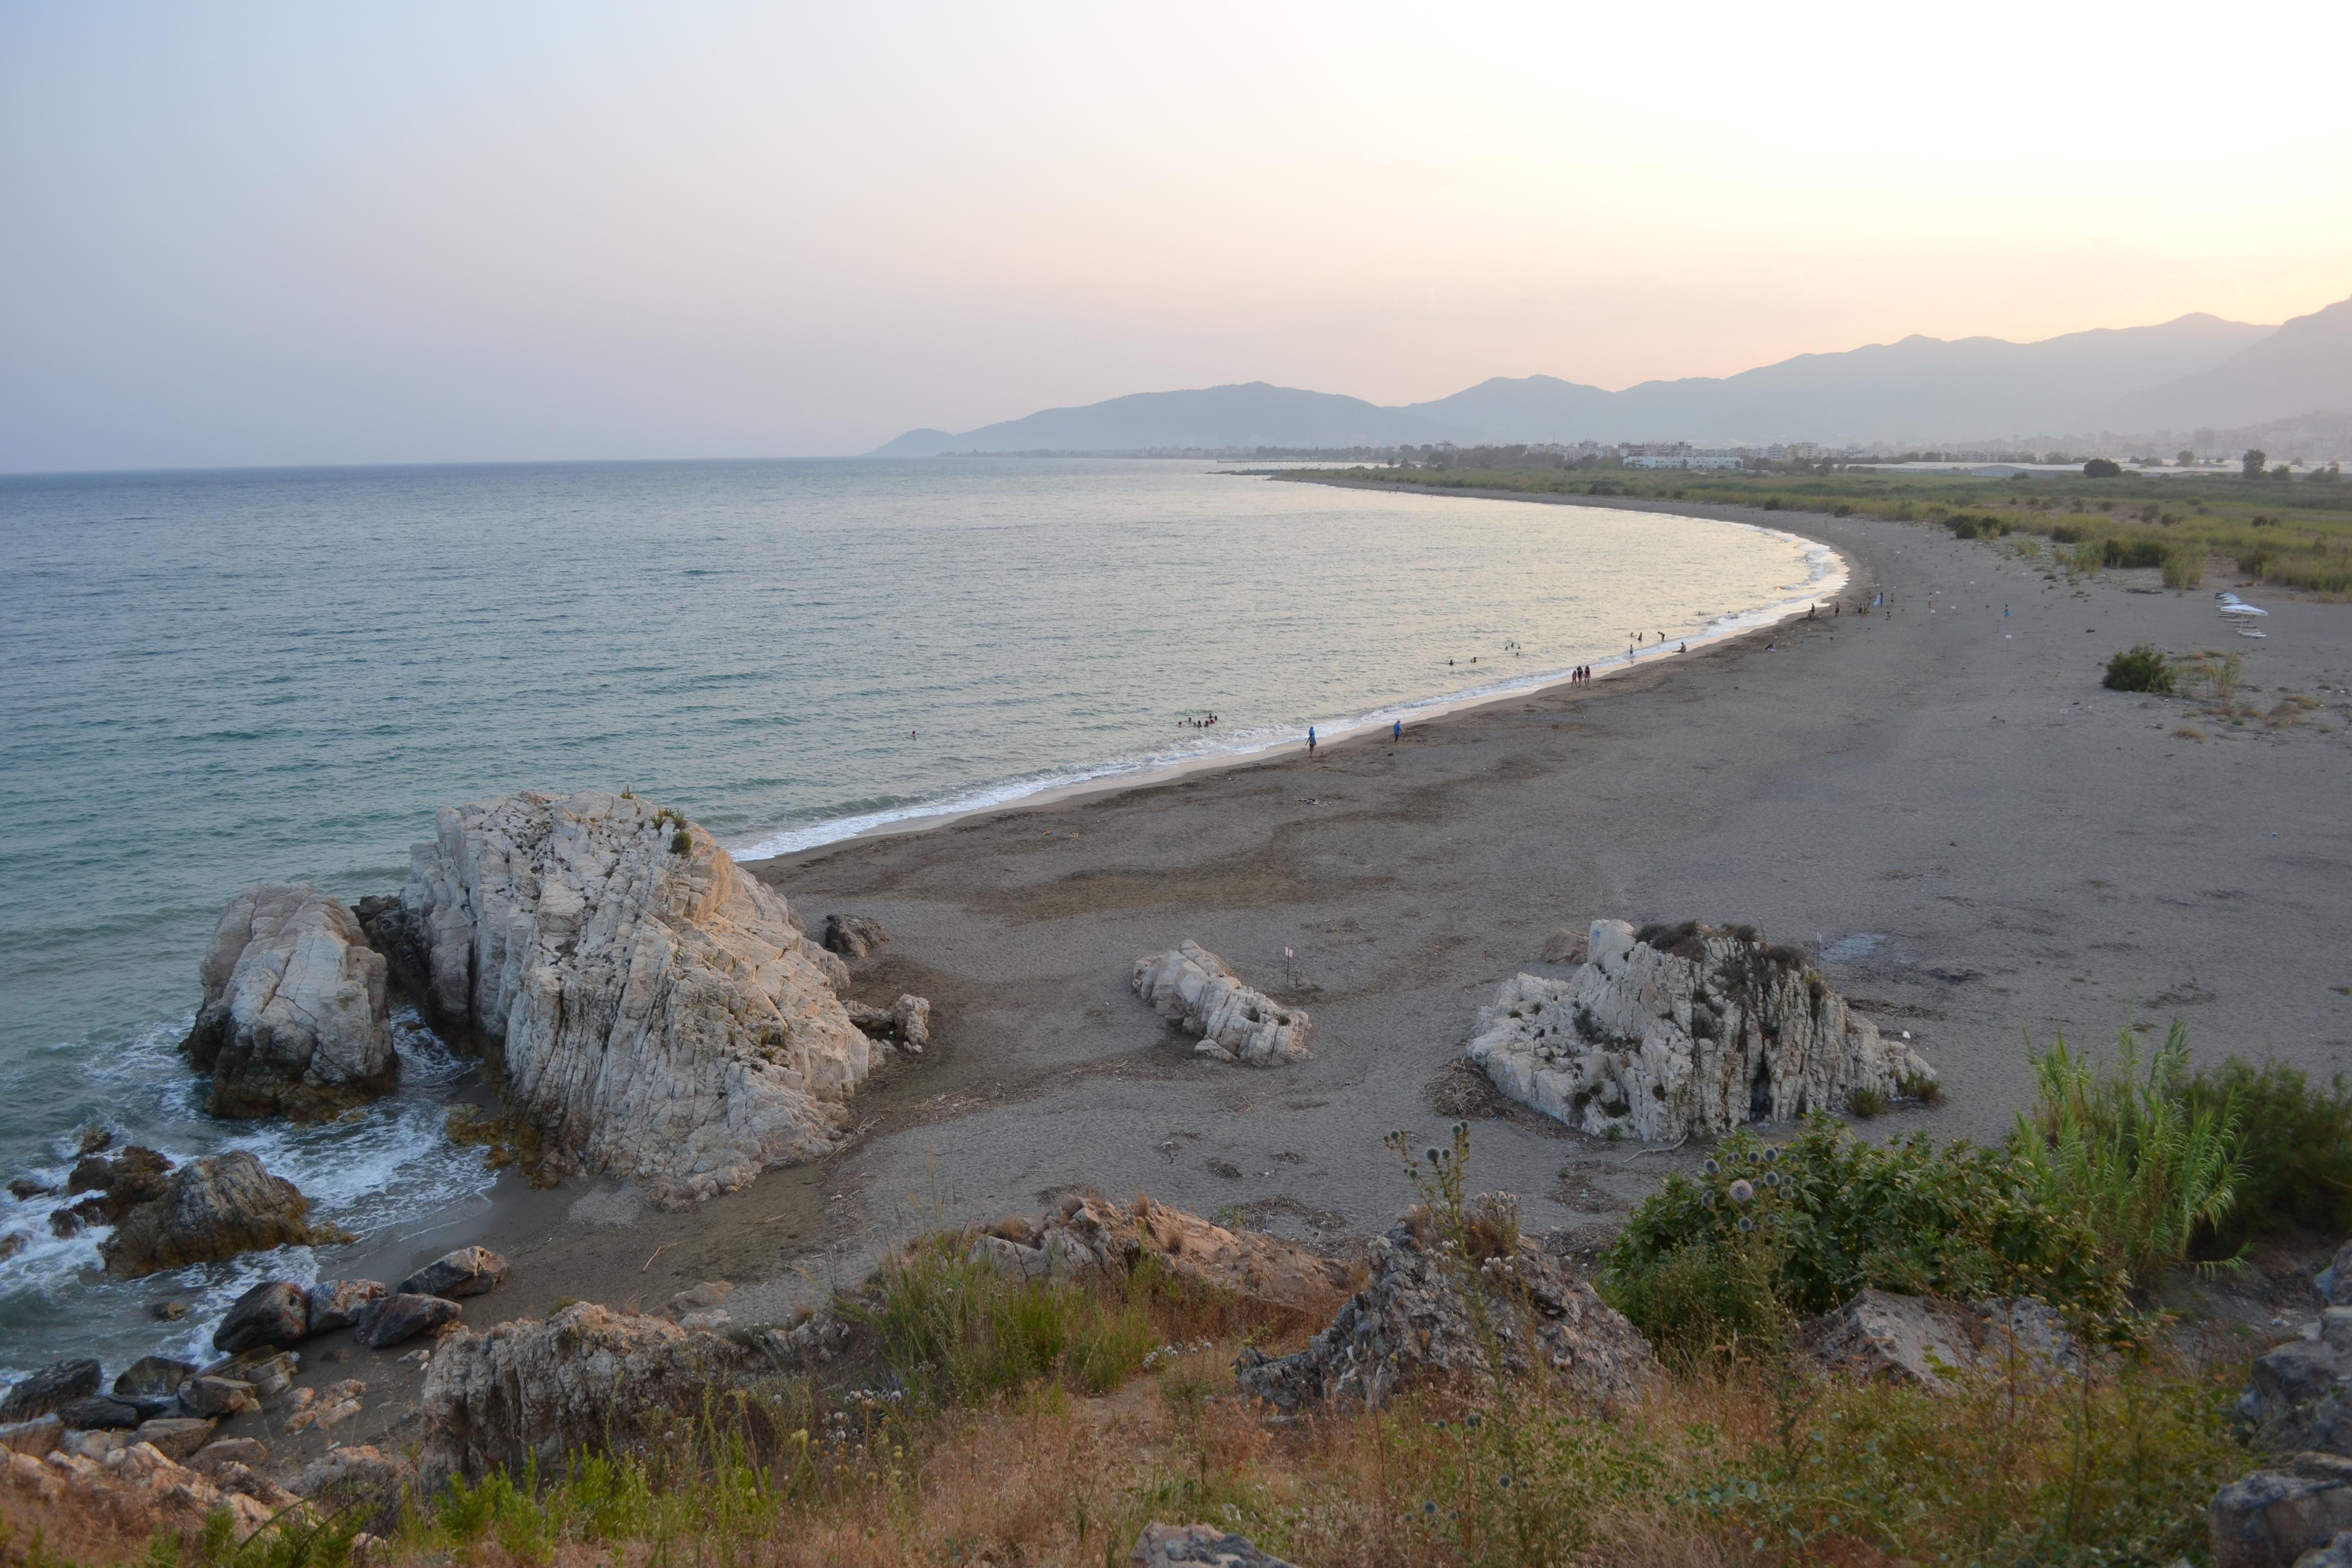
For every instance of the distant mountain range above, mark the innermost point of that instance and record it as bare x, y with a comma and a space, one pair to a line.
2197, 371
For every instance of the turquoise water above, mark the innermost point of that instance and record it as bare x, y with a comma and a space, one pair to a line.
209, 679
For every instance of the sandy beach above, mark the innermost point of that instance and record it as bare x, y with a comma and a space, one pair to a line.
1979, 843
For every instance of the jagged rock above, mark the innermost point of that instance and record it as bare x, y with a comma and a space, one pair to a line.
233, 1451
65, 1224
1564, 946
274, 1312
212, 1207
2336, 1553
94, 1442
2334, 1281
468, 1271
15, 1242
153, 1374
1685, 1029
1204, 1545
137, 1176
1197, 991
1411, 1320
360, 1473
907, 1023
661, 1015
168, 1312
56, 1384
98, 1414
588, 1377
94, 1139
334, 1303
853, 936
176, 1437
1921, 1340
401, 1317
36, 1437
2299, 1394
24, 1189
295, 1017
2268, 1519
217, 1396
272, 1376
1089, 1234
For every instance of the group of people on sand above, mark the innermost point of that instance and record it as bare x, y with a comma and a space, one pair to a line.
1581, 675
1196, 723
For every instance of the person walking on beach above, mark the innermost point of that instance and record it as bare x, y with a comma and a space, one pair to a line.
1310, 739
1396, 731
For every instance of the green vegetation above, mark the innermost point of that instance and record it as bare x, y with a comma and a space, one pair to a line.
2293, 1153
2141, 668
2297, 535
681, 842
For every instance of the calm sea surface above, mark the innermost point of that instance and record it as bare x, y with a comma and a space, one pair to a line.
210, 680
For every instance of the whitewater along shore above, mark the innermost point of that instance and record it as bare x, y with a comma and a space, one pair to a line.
1972, 839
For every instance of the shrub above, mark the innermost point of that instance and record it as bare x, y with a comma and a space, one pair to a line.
949, 1322
681, 842
1864, 1103
1829, 1214
2143, 1166
2293, 1150
2141, 668
2103, 468
2128, 553
2184, 569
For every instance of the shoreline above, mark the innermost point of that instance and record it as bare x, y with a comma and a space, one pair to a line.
1834, 575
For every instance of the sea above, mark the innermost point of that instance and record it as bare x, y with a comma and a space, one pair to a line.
209, 679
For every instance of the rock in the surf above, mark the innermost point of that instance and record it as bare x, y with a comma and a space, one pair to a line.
468, 1271
212, 1207
661, 1015
274, 1312
1199, 992
586, 1378
335, 1302
1683, 1030
295, 1017
45, 1390
153, 1374
131, 1178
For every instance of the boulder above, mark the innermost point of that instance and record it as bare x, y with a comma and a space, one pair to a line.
153, 1374
1198, 992
587, 1378
853, 936
1922, 1342
360, 1473
36, 1437
295, 1016
468, 1271
2336, 1553
2334, 1281
217, 1396
334, 1303
274, 1312
212, 1207
906, 1023
98, 1414
54, 1385
2271, 1517
401, 1317
1089, 1235
1675, 1030
1413, 1320
1564, 946
708, 1294
2299, 1394
232, 1451
24, 1189
659, 1013
1187, 1545
137, 1176
176, 1437
272, 1376
13, 1242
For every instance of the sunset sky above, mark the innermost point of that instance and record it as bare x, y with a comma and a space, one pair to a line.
304, 234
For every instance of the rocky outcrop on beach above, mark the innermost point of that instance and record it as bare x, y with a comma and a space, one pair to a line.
1674, 1030
1087, 1234
212, 1207
589, 1377
1199, 993
1414, 1318
853, 936
295, 1018
906, 1023
659, 1013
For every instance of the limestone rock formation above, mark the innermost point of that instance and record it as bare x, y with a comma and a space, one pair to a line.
1197, 1546
1685, 1030
660, 1013
468, 1271
588, 1377
906, 1023
1412, 1319
1199, 992
853, 936
1088, 1234
212, 1207
294, 1017
2271, 1517
1922, 1342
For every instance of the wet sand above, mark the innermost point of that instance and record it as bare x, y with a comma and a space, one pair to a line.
1979, 843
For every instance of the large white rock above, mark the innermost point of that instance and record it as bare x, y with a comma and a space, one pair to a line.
295, 1017
1704, 1030
1199, 993
660, 1013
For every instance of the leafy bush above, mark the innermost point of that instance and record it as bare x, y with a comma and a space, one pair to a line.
1827, 1214
2103, 468
681, 842
2129, 1153
950, 1323
2293, 1151
2141, 668
2141, 552
2184, 569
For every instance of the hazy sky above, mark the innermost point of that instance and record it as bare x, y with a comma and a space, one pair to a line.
270, 234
